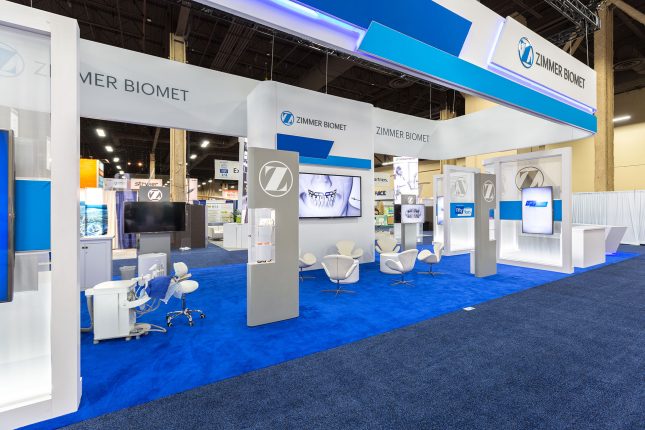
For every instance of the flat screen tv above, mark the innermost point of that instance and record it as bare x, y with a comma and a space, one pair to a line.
329, 196
537, 210
154, 217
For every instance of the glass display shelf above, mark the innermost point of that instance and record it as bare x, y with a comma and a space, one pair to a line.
262, 245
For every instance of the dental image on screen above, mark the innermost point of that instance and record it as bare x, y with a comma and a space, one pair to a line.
329, 196
537, 210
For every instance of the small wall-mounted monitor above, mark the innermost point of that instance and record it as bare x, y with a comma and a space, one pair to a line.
412, 214
537, 210
154, 217
329, 196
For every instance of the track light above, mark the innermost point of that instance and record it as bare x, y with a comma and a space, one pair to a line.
205, 143
108, 148
100, 132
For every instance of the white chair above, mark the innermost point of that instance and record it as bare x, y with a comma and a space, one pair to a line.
387, 244
184, 287
307, 260
431, 258
403, 265
339, 268
348, 248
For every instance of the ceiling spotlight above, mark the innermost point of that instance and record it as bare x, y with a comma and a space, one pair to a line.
121, 172
193, 156
108, 148
116, 159
129, 164
118, 167
210, 181
139, 164
205, 143
100, 132
622, 118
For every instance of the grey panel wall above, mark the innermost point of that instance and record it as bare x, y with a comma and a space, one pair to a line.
485, 253
273, 287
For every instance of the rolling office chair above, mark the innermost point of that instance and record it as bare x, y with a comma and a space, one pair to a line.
387, 244
348, 248
184, 287
339, 268
307, 260
403, 265
431, 258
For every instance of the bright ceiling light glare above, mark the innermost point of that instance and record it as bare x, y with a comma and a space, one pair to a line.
387, 163
116, 159
210, 181
100, 132
129, 164
193, 156
140, 164
121, 172
108, 148
622, 118
203, 183
205, 143
118, 167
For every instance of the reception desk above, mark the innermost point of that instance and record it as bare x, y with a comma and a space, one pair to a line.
236, 236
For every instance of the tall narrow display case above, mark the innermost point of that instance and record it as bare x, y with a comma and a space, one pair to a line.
262, 245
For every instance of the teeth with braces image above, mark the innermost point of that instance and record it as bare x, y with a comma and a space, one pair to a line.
322, 199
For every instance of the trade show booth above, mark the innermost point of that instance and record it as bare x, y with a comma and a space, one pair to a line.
306, 200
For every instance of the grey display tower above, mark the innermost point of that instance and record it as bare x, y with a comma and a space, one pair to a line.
272, 287
485, 253
409, 232
150, 243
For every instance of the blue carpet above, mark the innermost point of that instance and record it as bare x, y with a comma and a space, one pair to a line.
119, 374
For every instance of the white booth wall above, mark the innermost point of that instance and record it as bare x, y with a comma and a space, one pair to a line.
353, 145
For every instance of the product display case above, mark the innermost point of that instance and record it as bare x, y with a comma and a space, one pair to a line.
262, 231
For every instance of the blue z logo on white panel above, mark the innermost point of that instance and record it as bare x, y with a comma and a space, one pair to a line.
287, 118
525, 51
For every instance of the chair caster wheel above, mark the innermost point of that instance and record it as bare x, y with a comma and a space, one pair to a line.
191, 323
127, 339
169, 324
202, 316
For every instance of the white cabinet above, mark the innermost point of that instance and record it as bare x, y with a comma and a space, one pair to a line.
96, 261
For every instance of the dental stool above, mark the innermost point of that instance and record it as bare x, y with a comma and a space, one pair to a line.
184, 287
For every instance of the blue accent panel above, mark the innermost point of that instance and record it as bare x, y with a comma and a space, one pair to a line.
557, 210
462, 210
4, 216
423, 20
305, 146
512, 210
33, 215
356, 163
393, 46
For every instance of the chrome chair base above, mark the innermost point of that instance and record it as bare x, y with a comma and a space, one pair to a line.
339, 290
403, 282
188, 313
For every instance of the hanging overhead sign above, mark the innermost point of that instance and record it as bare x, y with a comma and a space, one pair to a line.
226, 170
400, 134
526, 56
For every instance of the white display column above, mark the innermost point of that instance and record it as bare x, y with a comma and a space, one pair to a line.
533, 227
39, 329
459, 209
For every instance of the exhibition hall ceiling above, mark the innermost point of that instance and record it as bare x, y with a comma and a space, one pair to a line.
227, 43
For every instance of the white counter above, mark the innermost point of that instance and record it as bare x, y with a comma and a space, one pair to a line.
236, 236
588, 245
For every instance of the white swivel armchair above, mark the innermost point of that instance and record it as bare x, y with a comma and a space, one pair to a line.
348, 248
307, 260
184, 287
339, 268
403, 265
431, 258
387, 244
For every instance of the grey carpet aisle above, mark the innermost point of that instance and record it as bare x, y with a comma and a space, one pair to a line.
566, 355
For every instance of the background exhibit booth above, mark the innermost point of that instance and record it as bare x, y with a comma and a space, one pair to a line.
334, 137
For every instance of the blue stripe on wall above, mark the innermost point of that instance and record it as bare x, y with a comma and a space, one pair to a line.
33, 215
512, 210
305, 146
4, 216
423, 20
393, 46
356, 163
462, 210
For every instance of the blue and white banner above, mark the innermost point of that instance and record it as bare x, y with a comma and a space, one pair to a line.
462, 210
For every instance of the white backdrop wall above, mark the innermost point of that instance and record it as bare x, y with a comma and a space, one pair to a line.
616, 208
265, 107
